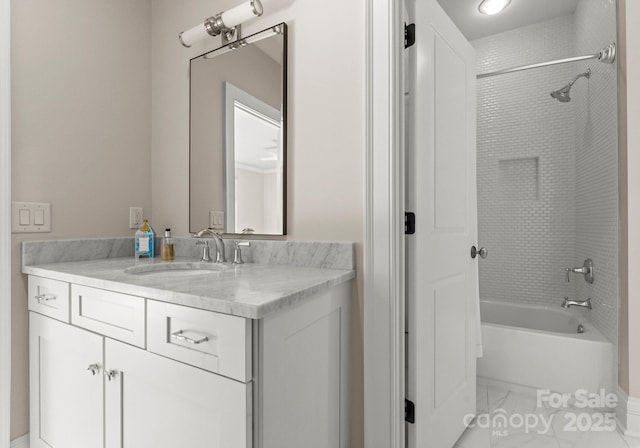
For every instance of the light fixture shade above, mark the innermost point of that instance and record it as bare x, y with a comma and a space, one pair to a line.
241, 13
193, 35
222, 22
491, 7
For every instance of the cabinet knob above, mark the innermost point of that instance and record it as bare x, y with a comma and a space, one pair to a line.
94, 368
110, 374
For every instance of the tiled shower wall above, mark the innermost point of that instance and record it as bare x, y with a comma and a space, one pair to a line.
547, 171
526, 165
597, 164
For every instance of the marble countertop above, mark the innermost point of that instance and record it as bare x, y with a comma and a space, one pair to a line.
250, 290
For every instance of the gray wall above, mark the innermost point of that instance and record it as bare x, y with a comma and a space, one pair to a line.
80, 132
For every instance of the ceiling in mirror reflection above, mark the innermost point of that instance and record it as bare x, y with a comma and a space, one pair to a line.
257, 139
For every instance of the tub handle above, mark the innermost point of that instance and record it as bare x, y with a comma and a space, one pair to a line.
482, 252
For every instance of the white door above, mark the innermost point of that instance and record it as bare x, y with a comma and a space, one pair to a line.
155, 402
66, 396
442, 278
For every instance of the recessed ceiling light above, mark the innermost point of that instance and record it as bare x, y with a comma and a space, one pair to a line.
491, 7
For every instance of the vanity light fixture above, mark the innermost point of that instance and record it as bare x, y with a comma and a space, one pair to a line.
224, 23
491, 7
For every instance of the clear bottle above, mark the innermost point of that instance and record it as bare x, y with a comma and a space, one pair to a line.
167, 252
145, 240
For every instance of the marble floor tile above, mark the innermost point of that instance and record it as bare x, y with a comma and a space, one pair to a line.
516, 411
558, 427
632, 442
591, 439
482, 398
474, 437
524, 440
496, 395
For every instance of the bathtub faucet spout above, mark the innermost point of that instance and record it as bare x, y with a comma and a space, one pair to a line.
567, 303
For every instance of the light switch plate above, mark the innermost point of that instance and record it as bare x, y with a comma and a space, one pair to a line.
25, 216
216, 220
30, 217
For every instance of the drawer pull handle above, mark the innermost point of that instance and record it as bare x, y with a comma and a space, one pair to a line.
110, 374
179, 336
45, 298
94, 368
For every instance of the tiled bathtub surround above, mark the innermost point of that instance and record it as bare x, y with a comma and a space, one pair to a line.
547, 171
597, 164
325, 255
526, 160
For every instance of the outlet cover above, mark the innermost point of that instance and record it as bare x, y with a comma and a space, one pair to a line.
136, 217
30, 217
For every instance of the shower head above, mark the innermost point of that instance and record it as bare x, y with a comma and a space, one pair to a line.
562, 94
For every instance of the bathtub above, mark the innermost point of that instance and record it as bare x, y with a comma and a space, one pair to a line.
540, 347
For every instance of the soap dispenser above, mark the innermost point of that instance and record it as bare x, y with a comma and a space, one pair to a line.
167, 252
145, 237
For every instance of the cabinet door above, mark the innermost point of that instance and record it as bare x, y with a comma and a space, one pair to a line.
66, 394
152, 401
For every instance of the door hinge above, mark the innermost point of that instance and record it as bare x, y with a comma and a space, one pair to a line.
409, 223
409, 35
409, 411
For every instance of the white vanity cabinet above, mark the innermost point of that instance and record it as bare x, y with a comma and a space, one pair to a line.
152, 401
120, 371
86, 388
66, 399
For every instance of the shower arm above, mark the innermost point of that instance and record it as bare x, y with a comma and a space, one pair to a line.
586, 74
606, 55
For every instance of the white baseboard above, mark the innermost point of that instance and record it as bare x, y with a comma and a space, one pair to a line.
628, 414
21, 442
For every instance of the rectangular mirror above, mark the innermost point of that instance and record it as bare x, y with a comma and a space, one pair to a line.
238, 136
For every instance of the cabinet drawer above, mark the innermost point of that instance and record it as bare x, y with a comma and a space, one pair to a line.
49, 297
215, 342
118, 316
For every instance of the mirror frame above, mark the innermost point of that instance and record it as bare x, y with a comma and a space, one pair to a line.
281, 29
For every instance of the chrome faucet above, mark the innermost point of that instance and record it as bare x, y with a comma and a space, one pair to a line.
586, 269
567, 303
220, 251
206, 257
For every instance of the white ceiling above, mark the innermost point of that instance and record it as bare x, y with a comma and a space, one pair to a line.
474, 25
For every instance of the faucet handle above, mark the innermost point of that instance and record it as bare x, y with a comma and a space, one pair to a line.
206, 256
586, 269
237, 253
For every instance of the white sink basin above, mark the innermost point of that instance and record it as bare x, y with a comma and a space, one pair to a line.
177, 269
